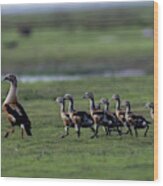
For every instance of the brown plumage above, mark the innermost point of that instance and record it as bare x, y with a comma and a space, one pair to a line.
64, 116
15, 112
115, 123
120, 114
150, 106
79, 118
134, 120
99, 116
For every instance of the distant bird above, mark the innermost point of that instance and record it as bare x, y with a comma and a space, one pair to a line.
151, 107
14, 110
136, 121
121, 113
65, 116
79, 118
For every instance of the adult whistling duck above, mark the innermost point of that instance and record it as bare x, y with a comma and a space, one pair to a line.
79, 118
151, 107
137, 121
64, 116
14, 110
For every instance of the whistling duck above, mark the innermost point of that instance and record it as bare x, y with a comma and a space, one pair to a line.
99, 117
14, 110
137, 121
121, 113
115, 123
106, 103
65, 116
151, 107
79, 118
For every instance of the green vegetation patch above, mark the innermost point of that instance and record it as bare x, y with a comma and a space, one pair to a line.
45, 154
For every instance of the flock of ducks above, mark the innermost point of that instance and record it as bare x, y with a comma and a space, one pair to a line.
98, 115
110, 121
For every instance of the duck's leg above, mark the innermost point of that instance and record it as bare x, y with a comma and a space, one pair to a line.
129, 129
7, 133
92, 129
109, 131
96, 133
106, 130
66, 128
96, 126
136, 132
77, 128
22, 130
147, 128
78, 132
119, 131
10, 130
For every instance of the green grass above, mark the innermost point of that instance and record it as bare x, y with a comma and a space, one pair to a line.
45, 154
59, 51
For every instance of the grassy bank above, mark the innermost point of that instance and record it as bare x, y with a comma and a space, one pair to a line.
79, 42
52, 51
46, 155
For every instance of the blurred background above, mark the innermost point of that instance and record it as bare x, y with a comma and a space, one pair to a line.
78, 39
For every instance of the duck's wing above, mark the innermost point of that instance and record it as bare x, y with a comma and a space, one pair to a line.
22, 111
18, 113
11, 111
85, 117
139, 119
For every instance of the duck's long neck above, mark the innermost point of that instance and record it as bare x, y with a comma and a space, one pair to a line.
118, 104
62, 107
106, 107
12, 94
152, 112
92, 104
71, 106
128, 109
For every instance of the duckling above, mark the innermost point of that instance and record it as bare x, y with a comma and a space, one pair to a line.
115, 124
120, 114
106, 103
14, 110
137, 121
151, 107
98, 106
65, 116
118, 111
100, 118
79, 118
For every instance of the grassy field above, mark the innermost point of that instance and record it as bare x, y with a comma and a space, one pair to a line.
45, 154
58, 51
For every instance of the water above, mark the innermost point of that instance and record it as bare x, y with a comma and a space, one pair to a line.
48, 78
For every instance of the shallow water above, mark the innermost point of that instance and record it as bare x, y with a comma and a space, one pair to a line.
47, 78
